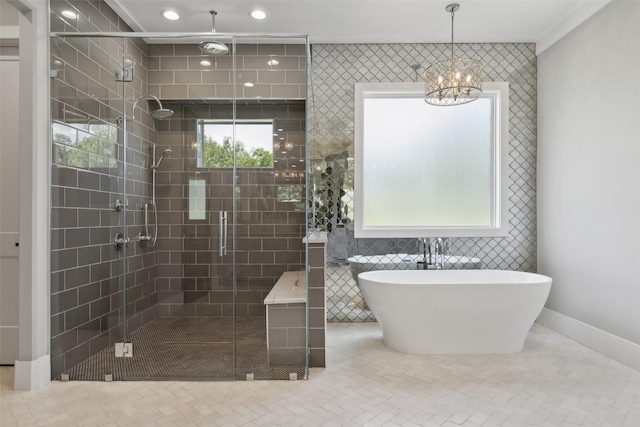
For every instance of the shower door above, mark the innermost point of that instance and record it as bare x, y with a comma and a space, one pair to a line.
269, 203
88, 207
230, 208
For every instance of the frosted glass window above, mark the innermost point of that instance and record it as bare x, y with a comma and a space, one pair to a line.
426, 171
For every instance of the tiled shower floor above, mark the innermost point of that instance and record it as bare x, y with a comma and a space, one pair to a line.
189, 348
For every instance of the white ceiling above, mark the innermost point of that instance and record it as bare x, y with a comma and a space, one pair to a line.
369, 21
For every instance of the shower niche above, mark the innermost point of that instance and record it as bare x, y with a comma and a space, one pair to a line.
208, 220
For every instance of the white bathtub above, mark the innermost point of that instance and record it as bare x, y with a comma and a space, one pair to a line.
455, 311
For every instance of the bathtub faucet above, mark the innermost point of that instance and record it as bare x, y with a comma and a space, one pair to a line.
429, 261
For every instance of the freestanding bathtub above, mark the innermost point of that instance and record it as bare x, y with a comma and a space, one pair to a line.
455, 311
361, 263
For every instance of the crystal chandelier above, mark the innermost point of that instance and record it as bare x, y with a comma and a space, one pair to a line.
453, 81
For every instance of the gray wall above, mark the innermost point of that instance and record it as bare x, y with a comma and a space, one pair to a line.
336, 68
175, 72
88, 291
193, 279
589, 172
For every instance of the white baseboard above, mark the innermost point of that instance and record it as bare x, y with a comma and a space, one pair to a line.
612, 346
32, 374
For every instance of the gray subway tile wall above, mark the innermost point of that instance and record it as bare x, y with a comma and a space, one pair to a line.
316, 285
175, 72
183, 275
194, 279
87, 177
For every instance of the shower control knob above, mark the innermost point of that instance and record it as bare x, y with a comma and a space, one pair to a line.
119, 241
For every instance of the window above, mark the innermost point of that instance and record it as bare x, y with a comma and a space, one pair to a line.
253, 147
426, 171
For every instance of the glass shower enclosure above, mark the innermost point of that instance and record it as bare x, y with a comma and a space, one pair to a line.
178, 201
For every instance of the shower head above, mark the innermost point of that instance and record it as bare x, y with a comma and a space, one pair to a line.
159, 114
166, 152
212, 47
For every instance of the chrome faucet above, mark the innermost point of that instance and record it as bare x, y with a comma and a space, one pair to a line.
429, 261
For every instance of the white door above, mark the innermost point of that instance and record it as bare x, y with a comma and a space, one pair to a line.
9, 210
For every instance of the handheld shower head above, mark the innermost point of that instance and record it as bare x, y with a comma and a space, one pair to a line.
166, 152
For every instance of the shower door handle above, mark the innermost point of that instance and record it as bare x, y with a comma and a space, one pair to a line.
222, 239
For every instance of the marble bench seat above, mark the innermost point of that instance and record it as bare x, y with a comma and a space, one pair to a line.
290, 288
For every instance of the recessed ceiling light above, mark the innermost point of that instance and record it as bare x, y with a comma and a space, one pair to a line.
205, 63
171, 15
69, 14
258, 14
272, 62
248, 84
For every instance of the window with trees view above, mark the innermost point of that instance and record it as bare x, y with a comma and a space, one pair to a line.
253, 144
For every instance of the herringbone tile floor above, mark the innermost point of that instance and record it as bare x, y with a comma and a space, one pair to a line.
553, 382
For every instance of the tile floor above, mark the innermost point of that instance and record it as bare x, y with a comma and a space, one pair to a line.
553, 382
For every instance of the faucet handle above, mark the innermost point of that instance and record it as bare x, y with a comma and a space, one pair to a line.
423, 243
447, 246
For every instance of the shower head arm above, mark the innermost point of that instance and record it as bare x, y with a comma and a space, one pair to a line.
148, 97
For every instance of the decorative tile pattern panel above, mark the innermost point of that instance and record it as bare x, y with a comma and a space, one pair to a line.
335, 70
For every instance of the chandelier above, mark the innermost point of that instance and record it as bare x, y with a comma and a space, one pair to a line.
453, 81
